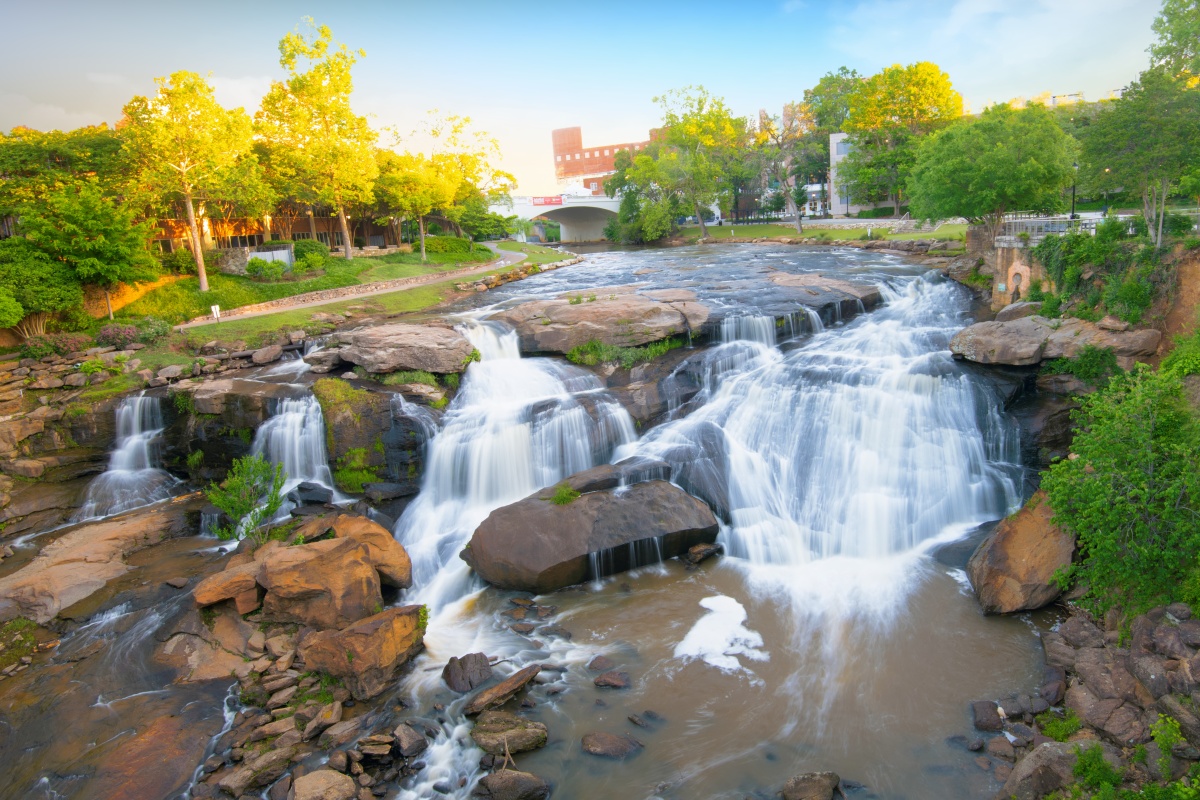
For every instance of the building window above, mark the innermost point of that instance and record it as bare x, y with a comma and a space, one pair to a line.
606, 152
578, 156
296, 235
595, 186
323, 238
843, 147
252, 240
558, 158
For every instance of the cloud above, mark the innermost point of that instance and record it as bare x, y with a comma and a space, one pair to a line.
19, 110
240, 92
108, 79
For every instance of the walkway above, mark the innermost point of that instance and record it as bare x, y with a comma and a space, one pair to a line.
325, 296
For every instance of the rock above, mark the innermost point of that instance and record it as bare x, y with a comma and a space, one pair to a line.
23, 468
1048, 768
1017, 310
325, 784
47, 382
399, 346
465, 673
297, 336
324, 360
824, 289
613, 680
340, 733
538, 546
987, 717
257, 772
812, 786
610, 745
496, 730
1029, 340
1013, 568
367, 654
326, 584
75, 379
308, 493
268, 354
1111, 323
327, 717
383, 551
409, 741
512, 785
1000, 747
502, 692
226, 584
701, 552
170, 372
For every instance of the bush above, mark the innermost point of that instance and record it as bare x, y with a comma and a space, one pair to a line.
72, 320
1059, 728
91, 366
360, 241
1094, 365
1178, 225
878, 213
447, 244
1185, 358
117, 335
178, 262
1166, 733
308, 263
303, 248
1132, 494
250, 495
263, 270
595, 352
1093, 771
152, 329
56, 344
37, 347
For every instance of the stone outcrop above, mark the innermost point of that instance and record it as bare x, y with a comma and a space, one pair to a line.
1048, 767
1030, 340
498, 732
539, 546
76, 565
327, 584
821, 286
510, 784
395, 347
502, 692
812, 786
618, 317
367, 654
1013, 568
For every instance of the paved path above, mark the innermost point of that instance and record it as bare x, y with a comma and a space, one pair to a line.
505, 259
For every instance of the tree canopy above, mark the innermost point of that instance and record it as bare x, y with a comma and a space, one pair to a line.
1177, 27
39, 285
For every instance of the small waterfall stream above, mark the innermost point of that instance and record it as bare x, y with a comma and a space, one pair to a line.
133, 478
294, 436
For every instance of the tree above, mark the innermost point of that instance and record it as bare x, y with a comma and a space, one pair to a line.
250, 495
184, 144
984, 167
1178, 47
317, 141
649, 206
38, 285
826, 105
1148, 140
888, 114
93, 235
33, 163
781, 141
413, 186
700, 135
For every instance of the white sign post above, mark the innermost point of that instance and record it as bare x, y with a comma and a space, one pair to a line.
216, 313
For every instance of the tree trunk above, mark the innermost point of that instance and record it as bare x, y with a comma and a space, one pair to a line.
108, 302
266, 228
197, 253
700, 219
421, 228
312, 223
1162, 212
32, 325
790, 202
346, 243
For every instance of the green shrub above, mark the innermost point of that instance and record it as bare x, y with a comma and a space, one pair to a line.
309, 263
352, 472
1094, 365
250, 495
184, 403
451, 380
1132, 494
37, 347
1051, 306
1058, 727
1166, 733
178, 262
447, 244
91, 366
1178, 225
564, 495
595, 352
152, 329
263, 270
1130, 298
195, 460
1185, 358
411, 376
308, 248
1093, 771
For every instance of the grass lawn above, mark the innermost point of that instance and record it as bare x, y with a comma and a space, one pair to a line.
814, 229
534, 253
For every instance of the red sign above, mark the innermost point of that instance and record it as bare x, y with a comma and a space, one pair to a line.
547, 201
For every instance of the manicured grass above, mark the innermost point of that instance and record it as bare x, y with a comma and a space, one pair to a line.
407, 265
534, 253
815, 229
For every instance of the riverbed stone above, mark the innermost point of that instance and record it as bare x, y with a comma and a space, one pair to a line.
612, 680
325, 784
987, 716
267, 355
610, 745
811, 786
1048, 768
399, 346
367, 654
1013, 568
1029, 340
510, 784
502, 692
462, 674
539, 546
497, 732
326, 584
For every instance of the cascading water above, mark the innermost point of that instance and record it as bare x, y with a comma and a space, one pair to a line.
294, 436
133, 478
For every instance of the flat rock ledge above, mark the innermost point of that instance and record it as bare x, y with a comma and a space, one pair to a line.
395, 347
1026, 341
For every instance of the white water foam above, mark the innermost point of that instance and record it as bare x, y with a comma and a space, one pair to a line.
720, 637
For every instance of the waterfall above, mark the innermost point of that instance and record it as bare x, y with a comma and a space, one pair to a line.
517, 425
133, 478
294, 436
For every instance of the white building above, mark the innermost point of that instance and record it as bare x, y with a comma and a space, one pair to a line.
839, 197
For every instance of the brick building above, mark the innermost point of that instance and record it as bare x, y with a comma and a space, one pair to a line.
588, 166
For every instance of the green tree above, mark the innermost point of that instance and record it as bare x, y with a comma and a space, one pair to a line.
1148, 140
984, 167
39, 285
889, 113
92, 234
782, 141
1131, 493
319, 146
33, 163
413, 186
1178, 29
11, 312
827, 106
649, 206
183, 144
250, 495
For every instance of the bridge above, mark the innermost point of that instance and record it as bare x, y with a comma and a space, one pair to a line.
582, 218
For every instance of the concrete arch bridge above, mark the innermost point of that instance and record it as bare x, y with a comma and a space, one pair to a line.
582, 217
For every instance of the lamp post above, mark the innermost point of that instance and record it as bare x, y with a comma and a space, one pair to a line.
1074, 180
1106, 171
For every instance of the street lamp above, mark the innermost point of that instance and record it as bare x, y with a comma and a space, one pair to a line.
1106, 171
1074, 179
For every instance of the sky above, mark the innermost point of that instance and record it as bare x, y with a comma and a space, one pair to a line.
521, 70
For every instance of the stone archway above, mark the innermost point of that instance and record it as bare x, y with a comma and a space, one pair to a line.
1018, 280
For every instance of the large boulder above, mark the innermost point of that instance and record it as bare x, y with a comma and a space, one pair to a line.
509, 784
537, 545
386, 554
1013, 568
325, 784
499, 732
622, 319
1049, 767
812, 786
367, 654
822, 288
400, 346
1029, 340
326, 584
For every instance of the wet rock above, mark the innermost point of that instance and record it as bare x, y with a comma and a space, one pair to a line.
325, 784
825, 288
512, 785
610, 745
613, 680
226, 584
310, 493
176, 583
256, 772
267, 355
324, 360
276, 728
409, 741
502, 692
601, 664
367, 654
1017, 310
1029, 340
1048, 768
987, 716
399, 346
1013, 568
811, 786
702, 552
327, 584
1080, 632
496, 730
327, 717
1000, 747
386, 554
539, 546
462, 674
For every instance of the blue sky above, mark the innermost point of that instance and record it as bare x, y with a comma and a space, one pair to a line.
521, 70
